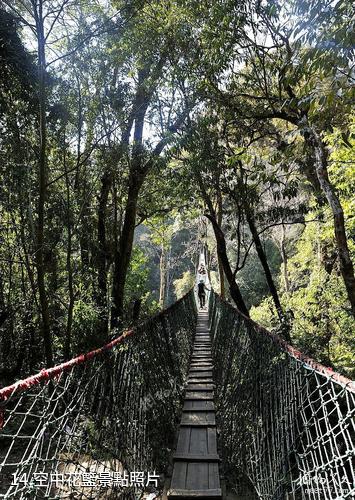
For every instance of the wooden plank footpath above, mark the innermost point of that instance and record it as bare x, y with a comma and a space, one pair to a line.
196, 461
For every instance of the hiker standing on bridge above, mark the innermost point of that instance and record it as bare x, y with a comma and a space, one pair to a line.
202, 293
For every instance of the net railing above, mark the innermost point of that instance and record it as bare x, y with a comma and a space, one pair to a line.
103, 424
286, 422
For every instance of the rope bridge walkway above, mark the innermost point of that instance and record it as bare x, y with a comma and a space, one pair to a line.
286, 422
104, 424
196, 462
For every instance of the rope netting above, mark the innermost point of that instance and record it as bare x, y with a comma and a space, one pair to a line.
103, 424
286, 422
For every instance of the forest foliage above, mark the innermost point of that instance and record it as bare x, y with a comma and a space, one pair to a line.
135, 131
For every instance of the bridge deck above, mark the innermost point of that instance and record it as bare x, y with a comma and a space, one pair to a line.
196, 461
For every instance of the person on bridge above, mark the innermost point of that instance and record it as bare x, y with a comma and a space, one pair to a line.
202, 293
202, 269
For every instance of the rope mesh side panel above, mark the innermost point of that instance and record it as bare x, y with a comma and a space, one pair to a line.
286, 423
114, 413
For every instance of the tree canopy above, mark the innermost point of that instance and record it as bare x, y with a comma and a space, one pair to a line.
134, 132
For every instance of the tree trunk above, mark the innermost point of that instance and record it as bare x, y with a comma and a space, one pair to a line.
169, 276
222, 254
263, 259
222, 286
346, 265
137, 175
284, 259
4, 313
46, 327
85, 236
222, 249
71, 302
220, 266
82, 187
123, 255
208, 259
137, 305
102, 252
162, 288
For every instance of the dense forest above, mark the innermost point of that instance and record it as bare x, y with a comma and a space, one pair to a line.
133, 132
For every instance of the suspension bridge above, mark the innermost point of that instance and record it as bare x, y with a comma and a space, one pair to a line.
178, 407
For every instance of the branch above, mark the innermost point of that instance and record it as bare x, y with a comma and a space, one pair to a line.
172, 129
289, 223
93, 34
83, 161
60, 10
20, 17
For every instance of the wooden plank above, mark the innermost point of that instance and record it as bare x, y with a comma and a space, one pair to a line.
196, 461
197, 476
190, 495
189, 457
198, 405
178, 479
201, 369
200, 374
198, 444
196, 380
201, 386
198, 418
211, 439
199, 395
183, 444
197, 440
203, 440
213, 476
